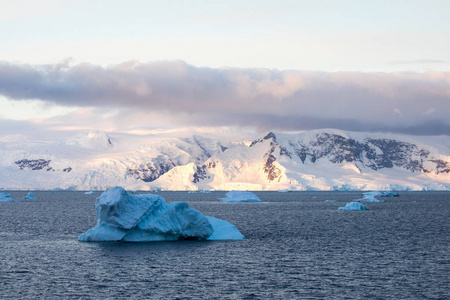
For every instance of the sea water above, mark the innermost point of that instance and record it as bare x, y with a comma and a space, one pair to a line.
297, 246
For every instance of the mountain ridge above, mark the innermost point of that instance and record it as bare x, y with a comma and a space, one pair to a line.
326, 159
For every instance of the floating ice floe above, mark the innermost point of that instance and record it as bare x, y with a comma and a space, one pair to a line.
330, 201
89, 193
4, 197
283, 191
30, 196
354, 206
144, 218
240, 196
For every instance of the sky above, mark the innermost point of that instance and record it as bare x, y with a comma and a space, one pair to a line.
137, 66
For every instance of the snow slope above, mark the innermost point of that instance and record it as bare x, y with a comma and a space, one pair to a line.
325, 159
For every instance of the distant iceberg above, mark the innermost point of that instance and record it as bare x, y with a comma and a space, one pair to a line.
89, 193
389, 194
30, 196
354, 206
370, 197
4, 197
328, 201
239, 196
147, 217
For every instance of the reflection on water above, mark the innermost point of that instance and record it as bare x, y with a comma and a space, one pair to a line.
296, 246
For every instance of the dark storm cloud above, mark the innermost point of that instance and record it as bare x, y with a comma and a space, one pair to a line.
406, 102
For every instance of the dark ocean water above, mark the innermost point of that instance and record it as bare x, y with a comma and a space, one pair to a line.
296, 247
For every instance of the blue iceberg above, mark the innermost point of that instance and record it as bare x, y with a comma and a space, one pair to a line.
4, 197
144, 218
354, 206
240, 196
30, 196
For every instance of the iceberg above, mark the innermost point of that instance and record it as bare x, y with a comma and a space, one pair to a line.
4, 197
223, 230
329, 201
389, 194
30, 196
370, 197
147, 217
354, 206
89, 193
239, 196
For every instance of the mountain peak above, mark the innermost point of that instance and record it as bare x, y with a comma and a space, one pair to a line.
269, 136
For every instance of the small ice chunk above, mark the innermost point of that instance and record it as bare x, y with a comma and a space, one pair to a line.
240, 196
330, 201
89, 193
354, 206
30, 196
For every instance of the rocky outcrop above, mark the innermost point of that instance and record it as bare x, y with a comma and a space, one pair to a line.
33, 164
270, 169
38, 164
372, 153
150, 171
202, 172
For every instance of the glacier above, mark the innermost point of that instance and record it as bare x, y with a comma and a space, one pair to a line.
353, 206
147, 217
240, 196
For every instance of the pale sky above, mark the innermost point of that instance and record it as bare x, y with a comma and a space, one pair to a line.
269, 46
337, 35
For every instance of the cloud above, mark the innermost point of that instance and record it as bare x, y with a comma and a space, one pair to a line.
418, 61
174, 92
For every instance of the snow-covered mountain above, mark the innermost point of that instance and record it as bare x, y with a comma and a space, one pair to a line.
314, 160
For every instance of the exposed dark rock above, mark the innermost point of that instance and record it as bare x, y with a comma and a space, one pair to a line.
270, 169
284, 151
150, 172
201, 173
441, 166
33, 164
390, 153
270, 135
